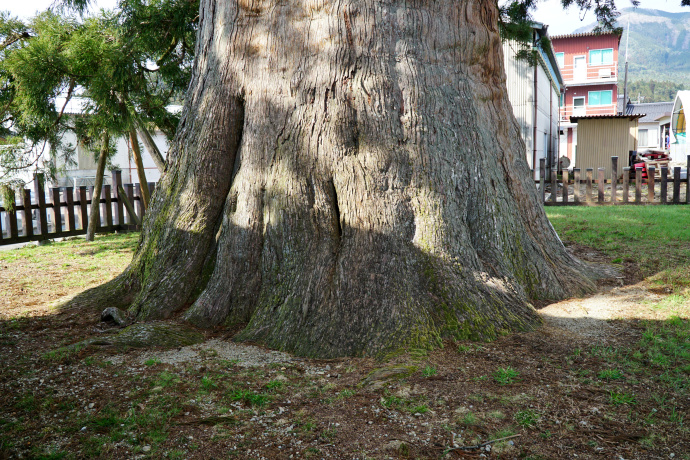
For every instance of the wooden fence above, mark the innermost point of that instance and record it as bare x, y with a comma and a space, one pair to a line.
65, 211
620, 186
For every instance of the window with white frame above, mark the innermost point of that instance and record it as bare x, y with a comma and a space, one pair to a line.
600, 98
601, 57
560, 60
646, 137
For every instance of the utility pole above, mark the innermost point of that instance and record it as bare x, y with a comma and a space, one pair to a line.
625, 84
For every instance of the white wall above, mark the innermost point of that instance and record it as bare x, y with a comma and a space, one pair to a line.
520, 85
680, 152
85, 170
652, 136
125, 162
519, 81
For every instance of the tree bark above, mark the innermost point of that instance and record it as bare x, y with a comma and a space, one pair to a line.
348, 178
95, 216
151, 147
141, 172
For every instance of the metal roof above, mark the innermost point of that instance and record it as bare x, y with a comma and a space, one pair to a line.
652, 110
602, 117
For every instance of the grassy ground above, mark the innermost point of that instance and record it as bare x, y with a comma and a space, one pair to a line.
35, 275
531, 396
656, 238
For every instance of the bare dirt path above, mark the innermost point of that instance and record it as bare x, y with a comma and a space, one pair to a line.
590, 318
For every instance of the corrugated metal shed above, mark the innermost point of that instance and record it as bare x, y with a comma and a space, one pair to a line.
603, 136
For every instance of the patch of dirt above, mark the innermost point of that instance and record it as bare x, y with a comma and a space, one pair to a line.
242, 354
590, 318
623, 297
625, 273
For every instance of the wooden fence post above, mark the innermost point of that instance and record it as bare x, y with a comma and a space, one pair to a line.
554, 185
542, 179
614, 179
28, 219
601, 182
588, 196
576, 185
39, 189
128, 205
626, 180
140, 195
55, 191
664, 184
14, 233
651, 172
638, 185
566, 182
83, 208
676, 185
129, 191
117, 185
108, 207
69, 198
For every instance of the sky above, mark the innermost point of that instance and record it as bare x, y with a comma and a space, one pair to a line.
562, 21
549, 12
28, 8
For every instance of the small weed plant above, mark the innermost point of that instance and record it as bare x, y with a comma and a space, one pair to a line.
610, 374
249, 397
526, 418
506, 376
429, 371
617, 398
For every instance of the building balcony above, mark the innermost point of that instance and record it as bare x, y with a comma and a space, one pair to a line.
589, 74
569, 111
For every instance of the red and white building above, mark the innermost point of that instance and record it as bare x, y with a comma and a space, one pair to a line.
588, 63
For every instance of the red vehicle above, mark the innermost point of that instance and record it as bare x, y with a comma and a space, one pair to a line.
655, 158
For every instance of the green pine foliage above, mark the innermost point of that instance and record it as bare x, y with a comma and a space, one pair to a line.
128, 64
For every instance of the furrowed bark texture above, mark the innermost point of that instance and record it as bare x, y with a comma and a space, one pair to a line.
95, 216
347, 179
141, 172
151, 146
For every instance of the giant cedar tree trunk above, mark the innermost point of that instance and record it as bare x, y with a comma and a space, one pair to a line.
347, 178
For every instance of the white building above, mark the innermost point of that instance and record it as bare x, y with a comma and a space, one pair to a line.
653, 126
535, 92
84, 172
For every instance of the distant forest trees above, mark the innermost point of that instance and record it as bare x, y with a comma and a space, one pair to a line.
652, 90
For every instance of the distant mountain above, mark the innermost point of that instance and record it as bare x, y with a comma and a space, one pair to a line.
659, 46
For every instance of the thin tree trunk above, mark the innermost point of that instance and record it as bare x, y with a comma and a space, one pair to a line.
151, 147
136, 153
95, 217
348, 178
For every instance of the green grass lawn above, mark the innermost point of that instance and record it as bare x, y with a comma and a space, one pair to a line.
655, 237
33, 276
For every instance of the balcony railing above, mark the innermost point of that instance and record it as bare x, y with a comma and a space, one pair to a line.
589, 75
568, 111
